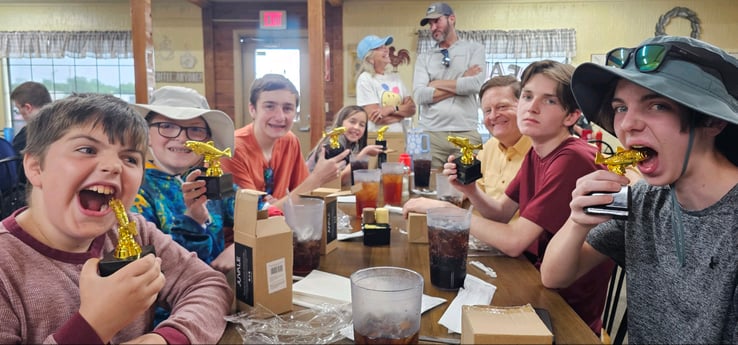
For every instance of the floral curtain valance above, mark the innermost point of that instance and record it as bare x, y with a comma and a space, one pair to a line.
514, 44
57, 44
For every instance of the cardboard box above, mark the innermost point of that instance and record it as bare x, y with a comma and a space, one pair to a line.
263, 249
417, 228
330, 225
503, 325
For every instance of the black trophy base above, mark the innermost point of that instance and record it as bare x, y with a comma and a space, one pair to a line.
218, 187
331, 152
110, 264
619, 208
468, 173
381, 157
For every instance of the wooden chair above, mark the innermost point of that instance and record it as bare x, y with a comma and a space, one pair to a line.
610, 319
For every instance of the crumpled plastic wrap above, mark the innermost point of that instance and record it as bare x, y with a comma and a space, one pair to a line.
319, 325
343, 222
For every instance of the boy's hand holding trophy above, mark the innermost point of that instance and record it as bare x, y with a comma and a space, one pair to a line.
218, 184
468, 168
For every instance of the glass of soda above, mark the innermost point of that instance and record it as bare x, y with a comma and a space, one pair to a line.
386, 305
448, 239
422, 170
305, 217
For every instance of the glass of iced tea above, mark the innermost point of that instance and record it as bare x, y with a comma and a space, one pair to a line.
392, 174
448, 243
366, 188
386, 304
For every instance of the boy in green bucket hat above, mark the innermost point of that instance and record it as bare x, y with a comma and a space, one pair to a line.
674, 99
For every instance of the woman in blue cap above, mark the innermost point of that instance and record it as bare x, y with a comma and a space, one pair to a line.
674, 99
380, 92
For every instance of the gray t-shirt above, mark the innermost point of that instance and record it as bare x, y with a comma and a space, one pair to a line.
458, 113
669, 303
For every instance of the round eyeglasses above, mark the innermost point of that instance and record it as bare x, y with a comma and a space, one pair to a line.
172, 130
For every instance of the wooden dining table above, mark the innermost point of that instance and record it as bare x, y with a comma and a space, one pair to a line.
518, 282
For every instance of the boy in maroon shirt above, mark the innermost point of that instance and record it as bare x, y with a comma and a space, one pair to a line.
82, 152
542, 189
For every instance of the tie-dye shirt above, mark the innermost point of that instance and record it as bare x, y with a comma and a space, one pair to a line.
160, 201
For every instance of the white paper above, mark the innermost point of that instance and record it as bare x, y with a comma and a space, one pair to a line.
343, 236
346, 198
323, 287
393, 209
474, 292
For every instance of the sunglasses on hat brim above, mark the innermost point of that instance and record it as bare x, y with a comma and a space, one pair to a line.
648, 58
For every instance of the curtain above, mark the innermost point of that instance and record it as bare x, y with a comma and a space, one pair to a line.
514, 44
57, 44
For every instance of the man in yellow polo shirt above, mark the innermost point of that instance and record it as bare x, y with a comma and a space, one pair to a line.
502, 155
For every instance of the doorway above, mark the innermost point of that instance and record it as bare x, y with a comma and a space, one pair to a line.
287, 56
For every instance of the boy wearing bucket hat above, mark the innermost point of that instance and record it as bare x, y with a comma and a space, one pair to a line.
383, 95
673, 98
445, 84
170, 195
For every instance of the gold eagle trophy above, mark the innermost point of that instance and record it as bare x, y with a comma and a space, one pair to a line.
468, 168
218, 184
333, 147
620, 206
127, 250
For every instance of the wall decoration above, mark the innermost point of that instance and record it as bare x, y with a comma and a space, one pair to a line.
187, 61
682, 12
401, 58
165, 51
178, 77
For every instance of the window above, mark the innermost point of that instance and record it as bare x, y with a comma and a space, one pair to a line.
65, 75
507, 66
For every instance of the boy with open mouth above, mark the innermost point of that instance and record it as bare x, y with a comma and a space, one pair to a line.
673, 98
82, 152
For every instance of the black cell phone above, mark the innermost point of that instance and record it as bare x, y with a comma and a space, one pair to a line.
619, 208
546, 318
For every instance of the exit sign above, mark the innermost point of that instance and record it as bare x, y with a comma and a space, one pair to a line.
273, 20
